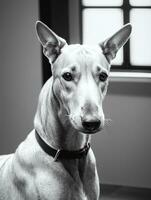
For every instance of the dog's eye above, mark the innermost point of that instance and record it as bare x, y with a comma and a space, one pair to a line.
67, 76
103, 76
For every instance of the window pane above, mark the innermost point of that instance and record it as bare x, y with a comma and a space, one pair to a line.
99, 24
140, 2
140, 42
102, 2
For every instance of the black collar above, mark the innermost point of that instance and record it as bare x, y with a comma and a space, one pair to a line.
60, 153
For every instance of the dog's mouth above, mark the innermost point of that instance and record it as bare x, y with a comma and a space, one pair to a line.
90, 132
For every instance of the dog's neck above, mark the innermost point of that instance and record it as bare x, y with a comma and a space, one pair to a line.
49, 126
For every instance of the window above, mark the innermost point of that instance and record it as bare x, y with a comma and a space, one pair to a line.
101, 18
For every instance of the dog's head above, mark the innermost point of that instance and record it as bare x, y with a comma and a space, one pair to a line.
80, 76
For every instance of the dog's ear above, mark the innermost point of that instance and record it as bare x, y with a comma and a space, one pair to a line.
52, 43
115, 42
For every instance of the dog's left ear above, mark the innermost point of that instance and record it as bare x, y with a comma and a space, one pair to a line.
52, 43
115, 42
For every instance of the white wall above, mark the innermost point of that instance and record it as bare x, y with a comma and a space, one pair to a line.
20, 71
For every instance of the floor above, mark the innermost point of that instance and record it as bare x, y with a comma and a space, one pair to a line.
110, 192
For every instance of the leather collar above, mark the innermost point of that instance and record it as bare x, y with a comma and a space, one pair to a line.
60, 153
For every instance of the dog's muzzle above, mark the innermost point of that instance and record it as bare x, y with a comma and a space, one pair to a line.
91, 125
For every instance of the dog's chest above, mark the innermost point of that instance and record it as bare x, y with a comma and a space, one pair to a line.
65, 180
60, 187
66, 194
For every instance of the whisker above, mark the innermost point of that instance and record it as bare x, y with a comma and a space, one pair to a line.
108, 122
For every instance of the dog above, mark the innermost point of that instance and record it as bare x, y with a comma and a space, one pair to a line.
56, 161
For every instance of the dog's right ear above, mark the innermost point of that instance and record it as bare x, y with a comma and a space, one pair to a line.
52, 43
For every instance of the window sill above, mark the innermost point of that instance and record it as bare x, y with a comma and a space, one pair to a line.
130, 77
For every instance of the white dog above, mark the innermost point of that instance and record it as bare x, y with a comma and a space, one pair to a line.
56, 162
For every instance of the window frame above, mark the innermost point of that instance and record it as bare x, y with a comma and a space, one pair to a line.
48, 14
126, 66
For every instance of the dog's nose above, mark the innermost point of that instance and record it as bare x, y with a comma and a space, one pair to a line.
91, 125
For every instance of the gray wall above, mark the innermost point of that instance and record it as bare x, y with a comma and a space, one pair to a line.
20, 71
123, 149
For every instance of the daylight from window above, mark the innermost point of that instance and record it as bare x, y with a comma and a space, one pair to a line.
102, 18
